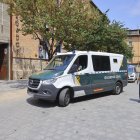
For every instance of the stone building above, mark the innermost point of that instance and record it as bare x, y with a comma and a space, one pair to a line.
25, 52
133, 40
19, 55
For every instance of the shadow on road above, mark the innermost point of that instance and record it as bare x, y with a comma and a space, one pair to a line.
90, 97
135, 100
47, 104
40, 103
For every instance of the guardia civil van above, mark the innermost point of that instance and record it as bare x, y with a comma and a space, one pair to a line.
79, 73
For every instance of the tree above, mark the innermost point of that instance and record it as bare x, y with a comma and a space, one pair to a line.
79, 25
115, 37
110, 37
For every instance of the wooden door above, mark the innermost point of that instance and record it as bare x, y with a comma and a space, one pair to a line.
3, 61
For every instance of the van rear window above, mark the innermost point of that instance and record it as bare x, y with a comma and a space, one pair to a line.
101, 63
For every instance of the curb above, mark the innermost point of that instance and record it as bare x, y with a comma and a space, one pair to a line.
13, 81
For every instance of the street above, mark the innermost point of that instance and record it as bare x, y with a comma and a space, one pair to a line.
98, 117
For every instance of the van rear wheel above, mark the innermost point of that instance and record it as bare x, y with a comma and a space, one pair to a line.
64, 97
118, 88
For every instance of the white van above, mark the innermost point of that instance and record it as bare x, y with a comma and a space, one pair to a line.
79, 73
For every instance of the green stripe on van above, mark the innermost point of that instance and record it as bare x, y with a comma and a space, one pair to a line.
101, 78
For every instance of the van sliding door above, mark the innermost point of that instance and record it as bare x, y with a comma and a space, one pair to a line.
102, 78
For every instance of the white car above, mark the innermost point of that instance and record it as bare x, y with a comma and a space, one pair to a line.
132, 74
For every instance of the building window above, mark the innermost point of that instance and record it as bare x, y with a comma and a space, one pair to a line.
43, 54
130, 43
101, 63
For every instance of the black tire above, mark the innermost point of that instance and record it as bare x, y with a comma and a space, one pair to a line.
118, 88
64, 97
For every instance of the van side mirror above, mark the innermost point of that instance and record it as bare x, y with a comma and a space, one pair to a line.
73, 68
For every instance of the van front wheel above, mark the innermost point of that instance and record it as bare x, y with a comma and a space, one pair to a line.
64, 97
118, 88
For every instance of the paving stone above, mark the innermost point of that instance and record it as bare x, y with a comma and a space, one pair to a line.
107, 117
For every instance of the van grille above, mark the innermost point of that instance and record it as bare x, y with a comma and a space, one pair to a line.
33, 83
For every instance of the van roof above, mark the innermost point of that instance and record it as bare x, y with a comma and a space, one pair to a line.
90, 52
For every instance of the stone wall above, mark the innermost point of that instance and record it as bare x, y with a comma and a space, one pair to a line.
23, 46
23, 67
25, 52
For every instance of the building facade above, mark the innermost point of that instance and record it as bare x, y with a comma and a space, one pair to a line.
25, 52
4, 42
133, 40
19, 54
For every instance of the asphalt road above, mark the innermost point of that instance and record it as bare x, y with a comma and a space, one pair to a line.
98, 117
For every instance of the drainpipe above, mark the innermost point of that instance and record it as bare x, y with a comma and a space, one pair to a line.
10, 50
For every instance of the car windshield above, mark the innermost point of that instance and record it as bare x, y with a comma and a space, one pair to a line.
60, 62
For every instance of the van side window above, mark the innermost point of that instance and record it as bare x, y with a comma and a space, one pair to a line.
79, 64
101, 63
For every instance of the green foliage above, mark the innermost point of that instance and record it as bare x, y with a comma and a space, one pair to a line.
79, 25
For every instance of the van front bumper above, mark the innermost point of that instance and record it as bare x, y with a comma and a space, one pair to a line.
46, 92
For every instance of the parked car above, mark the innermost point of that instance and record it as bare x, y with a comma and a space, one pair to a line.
132, 74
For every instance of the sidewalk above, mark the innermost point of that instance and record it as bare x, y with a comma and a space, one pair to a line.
7, 85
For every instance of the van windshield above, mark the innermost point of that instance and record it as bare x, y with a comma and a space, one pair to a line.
60, 62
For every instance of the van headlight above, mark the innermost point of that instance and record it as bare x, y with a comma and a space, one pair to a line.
50, 81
